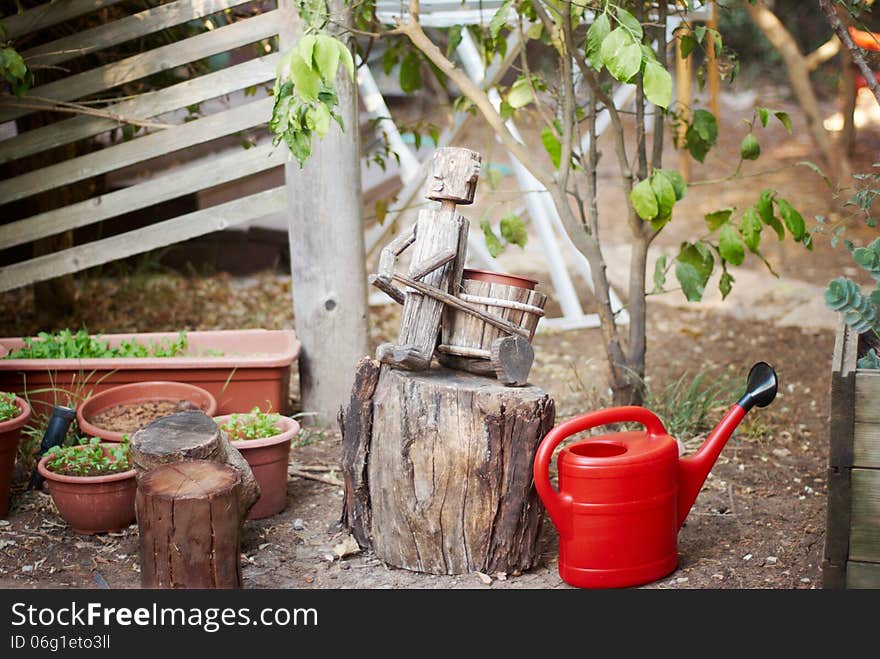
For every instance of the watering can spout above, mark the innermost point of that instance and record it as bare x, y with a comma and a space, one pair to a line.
692, 471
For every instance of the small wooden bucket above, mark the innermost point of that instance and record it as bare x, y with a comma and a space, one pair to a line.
466, 340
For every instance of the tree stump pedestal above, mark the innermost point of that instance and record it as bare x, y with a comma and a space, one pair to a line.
438, 469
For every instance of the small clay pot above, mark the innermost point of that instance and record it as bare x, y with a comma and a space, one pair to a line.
92, 504
499, 278
267, 458
10, 432
139, 392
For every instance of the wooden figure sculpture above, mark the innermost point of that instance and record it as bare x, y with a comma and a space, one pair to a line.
435, 279
439, 240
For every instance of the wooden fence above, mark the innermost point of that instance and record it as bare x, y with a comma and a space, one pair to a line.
243, 31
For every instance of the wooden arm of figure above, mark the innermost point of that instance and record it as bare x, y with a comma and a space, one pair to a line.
387, 259
460, 304
437, 261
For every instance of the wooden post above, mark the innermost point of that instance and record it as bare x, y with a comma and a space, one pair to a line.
327, 248
189, 528
712, 72
191, 435
438, 469
683, 91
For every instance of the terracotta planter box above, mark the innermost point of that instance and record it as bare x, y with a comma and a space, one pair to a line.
253, 370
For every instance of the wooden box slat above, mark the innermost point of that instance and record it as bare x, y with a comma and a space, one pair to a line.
201, 130
206, 174
144, 106
862, 575
157, 235
50, 14
153, 61
864, 542
866, 444
125, 29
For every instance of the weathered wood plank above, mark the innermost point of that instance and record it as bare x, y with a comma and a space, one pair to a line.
866, 445
144, 106
840, 456
862, 575
153, 61
326, 227
137, 150
864, 542
160, 234
867, 405
48, 14
211, 172
125, 29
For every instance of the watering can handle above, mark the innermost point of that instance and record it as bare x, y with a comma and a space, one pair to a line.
553, 500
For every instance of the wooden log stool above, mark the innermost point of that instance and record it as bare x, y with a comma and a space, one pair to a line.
191, 435
189, 525
438, 469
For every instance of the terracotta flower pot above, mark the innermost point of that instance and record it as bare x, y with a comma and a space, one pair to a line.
241, 368
10, 432
499, 278
138, 392
92, 504
267, 458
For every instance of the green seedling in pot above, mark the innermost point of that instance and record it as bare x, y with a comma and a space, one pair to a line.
252, 425
8, 407
89, 458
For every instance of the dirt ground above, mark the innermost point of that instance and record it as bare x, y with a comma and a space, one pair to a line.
758, 523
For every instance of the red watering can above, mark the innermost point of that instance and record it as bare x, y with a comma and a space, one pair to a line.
622, 497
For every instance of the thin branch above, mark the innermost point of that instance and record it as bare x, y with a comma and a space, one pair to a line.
50, 105
856, 52
659, 123
524, 60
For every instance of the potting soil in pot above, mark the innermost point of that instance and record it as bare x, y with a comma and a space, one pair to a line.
132, 416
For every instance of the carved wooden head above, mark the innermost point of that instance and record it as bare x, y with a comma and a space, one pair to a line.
453, 176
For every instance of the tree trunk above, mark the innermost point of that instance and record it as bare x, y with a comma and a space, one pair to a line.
189, 527
798, 71
438, 469
327, 260
191, 436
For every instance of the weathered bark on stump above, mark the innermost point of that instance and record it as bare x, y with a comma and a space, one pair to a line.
438, 469
189, 527
191, 435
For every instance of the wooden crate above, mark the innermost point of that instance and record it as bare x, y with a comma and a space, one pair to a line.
852, 529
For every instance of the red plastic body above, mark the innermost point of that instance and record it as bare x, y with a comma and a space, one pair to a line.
623, 496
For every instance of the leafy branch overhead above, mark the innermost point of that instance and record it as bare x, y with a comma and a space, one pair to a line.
305, 92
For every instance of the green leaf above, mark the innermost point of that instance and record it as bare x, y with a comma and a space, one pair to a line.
699, 33
454, 39
687, 45
658, 84
811, 165
389, 60
694, 265
552, 145
665, 194
749, 149
535, 30
410, 73
318, 119
765, 206
764, 116
520, 94
305, 80
600, 29
751, 227
706, 126
305, 48
677, 181
725, 283
506, 110
630, 22
784, 119
492, 243
327, 57
513, 230
346, 58
381, 208
660, 274
730, 245
621, 54
644, 201
717, 219
793, 220
499, 20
